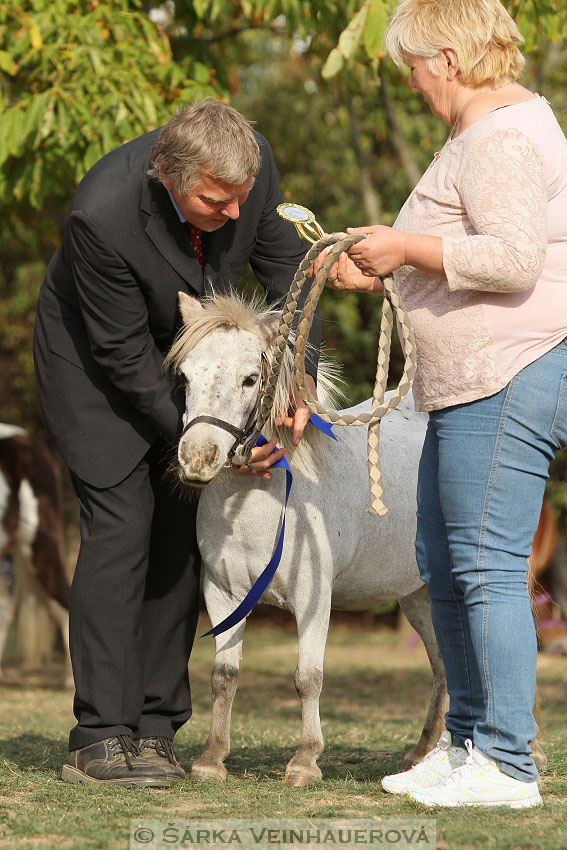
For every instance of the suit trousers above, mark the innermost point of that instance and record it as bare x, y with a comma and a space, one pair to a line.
134, 605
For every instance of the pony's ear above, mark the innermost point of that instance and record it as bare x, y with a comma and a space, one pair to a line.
269, 327
189, 307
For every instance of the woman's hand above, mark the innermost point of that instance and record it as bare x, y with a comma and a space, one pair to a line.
344, 275
383, 250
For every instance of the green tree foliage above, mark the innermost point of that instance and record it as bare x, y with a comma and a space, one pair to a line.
539, 21
77, 79
350, 138
312, 133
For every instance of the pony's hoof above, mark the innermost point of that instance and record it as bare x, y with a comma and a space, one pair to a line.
410, 760
418, 752
300, 777
208, 773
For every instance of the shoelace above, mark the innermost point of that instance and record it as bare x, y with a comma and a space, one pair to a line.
459, 772
163, 747
127, 744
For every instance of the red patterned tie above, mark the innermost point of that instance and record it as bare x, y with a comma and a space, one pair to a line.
196, 239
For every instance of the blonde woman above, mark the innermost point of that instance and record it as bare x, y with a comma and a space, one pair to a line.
479, 254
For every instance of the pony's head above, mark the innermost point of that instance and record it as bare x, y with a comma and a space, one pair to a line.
224, 351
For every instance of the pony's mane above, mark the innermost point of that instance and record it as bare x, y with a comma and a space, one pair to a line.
228, 312
220, 312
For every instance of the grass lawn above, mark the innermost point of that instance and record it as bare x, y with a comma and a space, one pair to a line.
373, 703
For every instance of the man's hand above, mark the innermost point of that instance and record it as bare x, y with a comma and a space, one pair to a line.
298, 420
263, 457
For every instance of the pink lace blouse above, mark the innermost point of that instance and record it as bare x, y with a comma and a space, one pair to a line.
497, 195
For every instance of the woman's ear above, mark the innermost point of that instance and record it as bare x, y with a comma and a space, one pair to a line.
451, 62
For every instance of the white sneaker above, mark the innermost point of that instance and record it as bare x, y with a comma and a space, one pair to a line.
479, 782
433, 769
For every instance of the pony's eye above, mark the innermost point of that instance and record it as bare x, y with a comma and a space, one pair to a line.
250, 381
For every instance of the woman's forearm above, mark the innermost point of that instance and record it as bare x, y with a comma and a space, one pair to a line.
385, 249
425, 253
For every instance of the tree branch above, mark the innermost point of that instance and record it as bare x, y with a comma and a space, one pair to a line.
399, 141
235, 31
370, 197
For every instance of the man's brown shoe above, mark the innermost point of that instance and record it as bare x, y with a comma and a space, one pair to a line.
114, 761
159, 752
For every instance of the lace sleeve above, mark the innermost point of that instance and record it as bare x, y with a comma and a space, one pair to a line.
503, 191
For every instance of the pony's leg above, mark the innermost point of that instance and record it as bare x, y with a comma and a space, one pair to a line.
417, 609
6, 613
224, 681
312, 628
30, 591
61, 617
534, 576
556, 576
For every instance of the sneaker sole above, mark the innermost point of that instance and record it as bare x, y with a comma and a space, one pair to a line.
531, 803
390, 790
74, 775
397, 789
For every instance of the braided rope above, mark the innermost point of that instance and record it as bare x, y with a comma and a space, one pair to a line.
339, 242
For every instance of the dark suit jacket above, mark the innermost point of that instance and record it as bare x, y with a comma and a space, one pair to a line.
107, 310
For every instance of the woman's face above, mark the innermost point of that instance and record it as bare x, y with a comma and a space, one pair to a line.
432, 87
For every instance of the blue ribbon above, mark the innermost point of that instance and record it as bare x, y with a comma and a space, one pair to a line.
324, 427
264, 579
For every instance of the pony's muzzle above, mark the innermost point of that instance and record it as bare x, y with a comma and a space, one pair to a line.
199, 461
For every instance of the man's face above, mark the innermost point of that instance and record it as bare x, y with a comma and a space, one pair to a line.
211, 202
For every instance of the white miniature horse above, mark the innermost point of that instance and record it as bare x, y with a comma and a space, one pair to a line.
334, 555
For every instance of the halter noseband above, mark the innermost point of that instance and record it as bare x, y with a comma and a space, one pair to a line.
239, 433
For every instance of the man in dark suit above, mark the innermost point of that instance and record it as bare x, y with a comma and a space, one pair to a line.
181, 209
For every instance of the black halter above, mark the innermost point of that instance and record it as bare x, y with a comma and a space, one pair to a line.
239, 433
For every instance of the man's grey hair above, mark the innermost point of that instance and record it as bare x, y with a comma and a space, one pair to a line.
208, 137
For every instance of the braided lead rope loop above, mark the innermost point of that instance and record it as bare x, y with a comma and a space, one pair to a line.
242, 453
340, 242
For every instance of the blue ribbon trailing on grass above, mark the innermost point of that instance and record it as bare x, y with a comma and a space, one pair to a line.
264, 579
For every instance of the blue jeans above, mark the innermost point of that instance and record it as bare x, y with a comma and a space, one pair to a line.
481, 483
